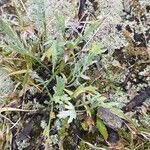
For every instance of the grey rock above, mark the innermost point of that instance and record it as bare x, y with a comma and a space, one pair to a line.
110, 119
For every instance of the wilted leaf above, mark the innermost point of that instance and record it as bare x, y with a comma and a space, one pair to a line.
27, 32
116, 63
66, 55
88, 123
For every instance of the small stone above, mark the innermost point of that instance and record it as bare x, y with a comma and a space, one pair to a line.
110, 119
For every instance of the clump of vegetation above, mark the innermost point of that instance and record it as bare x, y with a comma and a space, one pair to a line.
64, 90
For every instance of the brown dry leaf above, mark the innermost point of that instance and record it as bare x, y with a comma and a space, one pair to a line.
116, 63
27, 31
89, 120
144, 109
66, 55
117, 146
2, 136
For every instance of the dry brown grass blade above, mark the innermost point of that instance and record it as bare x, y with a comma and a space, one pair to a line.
91, 145
6, 109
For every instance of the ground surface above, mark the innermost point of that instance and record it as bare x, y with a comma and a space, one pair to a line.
75, 74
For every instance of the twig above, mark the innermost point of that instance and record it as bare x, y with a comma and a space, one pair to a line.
145, 135
7, 119
5, 109
15, 124
91, 145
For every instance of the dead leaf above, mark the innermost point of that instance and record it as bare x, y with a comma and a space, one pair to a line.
89, 120
66, 55
28, 31
116, 63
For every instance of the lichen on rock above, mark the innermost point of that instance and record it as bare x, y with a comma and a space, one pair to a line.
110, 13
6, 84
50, 8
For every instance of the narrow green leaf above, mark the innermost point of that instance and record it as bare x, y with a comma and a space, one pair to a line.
101, 128
82, 89
7, 30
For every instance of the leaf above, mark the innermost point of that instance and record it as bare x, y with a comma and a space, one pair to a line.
96, 48
47, 54
66, 56
28, 32
83, 89
61, 99
60, 85
80, 66
71, 113
116, 63
59, 96
60, 22
102, 128
6, 29
52, 53
13, 42
95, 100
